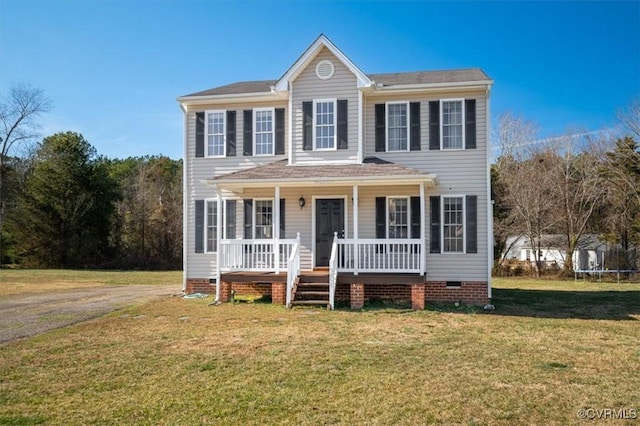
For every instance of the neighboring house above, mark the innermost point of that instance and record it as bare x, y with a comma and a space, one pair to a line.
333, 184
588, 254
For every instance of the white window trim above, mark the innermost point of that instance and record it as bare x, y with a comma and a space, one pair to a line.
441, 124
386, 126
335, 123
254, 222
273, 132
405, 197
206, 221
224, 132
464, 223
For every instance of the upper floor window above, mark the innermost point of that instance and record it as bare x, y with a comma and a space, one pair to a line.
324, 112
398, 217
453, 224
215, 133
264, 131
452, 124
397, 127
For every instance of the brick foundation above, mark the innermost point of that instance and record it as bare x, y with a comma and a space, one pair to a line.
357, 296
279, 293
417, 296
199, 285
471, 293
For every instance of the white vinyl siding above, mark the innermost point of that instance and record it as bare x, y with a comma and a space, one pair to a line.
307, 87
453, 225
324, 124
397, 123
215, 133
398, 220
452, 124
263, 133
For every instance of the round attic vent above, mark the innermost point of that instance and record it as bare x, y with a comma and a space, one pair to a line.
325, 70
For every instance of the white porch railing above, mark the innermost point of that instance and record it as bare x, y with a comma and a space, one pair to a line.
381, 255
293, 269
333, 270
255, 255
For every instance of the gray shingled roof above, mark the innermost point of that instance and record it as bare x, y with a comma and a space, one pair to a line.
388, 79
280, 170
430, 77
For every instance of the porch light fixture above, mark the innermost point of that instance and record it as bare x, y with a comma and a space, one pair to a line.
301, 202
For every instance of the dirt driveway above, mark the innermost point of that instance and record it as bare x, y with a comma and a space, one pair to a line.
29, 314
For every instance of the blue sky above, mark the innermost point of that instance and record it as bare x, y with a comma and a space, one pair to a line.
113, 69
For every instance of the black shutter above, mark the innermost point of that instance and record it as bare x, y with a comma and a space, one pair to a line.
415, 125
279, 148
199, 226
470, 123
247, 141
434, 125
248, 219
231, 133
282, 216
231, 219
416, 217
342, 125
199, 134
472, 223
381, 144
381, 217
435, 224
307, 126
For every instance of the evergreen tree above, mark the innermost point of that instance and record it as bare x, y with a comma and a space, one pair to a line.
63, 217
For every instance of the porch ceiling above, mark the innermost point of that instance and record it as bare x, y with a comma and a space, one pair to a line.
373, 171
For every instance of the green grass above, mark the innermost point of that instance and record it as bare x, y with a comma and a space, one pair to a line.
20, 281
537, 359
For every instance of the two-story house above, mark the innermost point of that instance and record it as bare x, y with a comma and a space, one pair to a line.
333, 184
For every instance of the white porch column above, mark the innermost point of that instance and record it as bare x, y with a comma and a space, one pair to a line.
219, 257
276, 229
423, 246
356, 248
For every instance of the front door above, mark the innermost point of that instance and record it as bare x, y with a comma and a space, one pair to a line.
329, 219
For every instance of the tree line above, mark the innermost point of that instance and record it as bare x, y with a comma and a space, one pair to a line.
62, 205
571, 185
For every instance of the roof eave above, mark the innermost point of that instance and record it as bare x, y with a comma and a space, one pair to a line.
431, 179
212, 99
431, 87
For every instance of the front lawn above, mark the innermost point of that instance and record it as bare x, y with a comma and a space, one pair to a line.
547, 351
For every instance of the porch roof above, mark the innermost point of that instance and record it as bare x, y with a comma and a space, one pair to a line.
372, 171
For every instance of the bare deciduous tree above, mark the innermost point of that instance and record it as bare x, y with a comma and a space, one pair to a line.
19, 110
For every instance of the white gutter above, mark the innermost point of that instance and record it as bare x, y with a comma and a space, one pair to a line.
208, 99
490, 241
297, 182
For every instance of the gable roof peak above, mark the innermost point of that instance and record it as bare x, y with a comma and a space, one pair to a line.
310, 53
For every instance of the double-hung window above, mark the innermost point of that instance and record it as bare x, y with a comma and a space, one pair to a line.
398, 217
211, 225
452, 122
453, 224
215, 133
264, 131
263, 219
398, 126
324, 113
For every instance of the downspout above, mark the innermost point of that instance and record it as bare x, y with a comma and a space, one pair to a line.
185, 193
490, 241
218, 242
